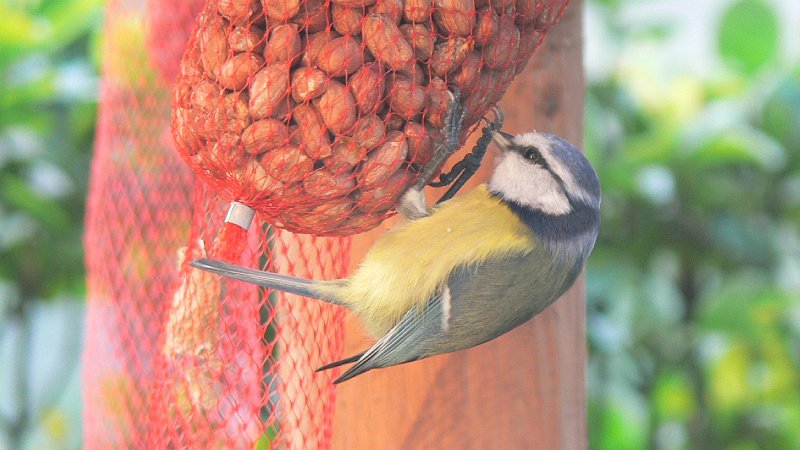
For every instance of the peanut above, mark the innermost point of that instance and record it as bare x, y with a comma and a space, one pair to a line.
263, 135
341, 56
185, 137
254, 176
486, 25
527, 11
237, 70
308, 83
281, 10
345, 155
417, 10
238, 10
382, 162
234, 106
391, 8
369, 131
449, 54
218, 159
283, 44
347, 19
206, 95
394, 122
438, 103
466, 76
327, 215
456, 17
311, 132
323, 184
315, 43
420, 143
244, 38
421, 38
406, 98
501, 50
499, 6
214, 49
367, 86
313, 17
530, 38
337, 108
287, 164
270, 85
386, 43
386, 195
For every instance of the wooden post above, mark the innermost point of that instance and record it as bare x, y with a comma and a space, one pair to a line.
524, 390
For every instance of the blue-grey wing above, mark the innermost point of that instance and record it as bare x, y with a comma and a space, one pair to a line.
486, 300
398, 345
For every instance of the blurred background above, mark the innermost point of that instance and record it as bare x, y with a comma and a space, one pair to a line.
693, 123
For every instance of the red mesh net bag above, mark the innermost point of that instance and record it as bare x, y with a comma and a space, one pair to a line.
174, 359
318, 115
138, 212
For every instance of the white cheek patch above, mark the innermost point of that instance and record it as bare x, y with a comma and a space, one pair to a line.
529, 185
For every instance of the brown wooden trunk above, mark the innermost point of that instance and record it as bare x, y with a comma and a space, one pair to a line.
524, 390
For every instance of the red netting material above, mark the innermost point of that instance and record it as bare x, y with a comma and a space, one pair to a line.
138, 213
319, 114
237, 364
177, 358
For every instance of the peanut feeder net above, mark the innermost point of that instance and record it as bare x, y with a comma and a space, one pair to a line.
317, 114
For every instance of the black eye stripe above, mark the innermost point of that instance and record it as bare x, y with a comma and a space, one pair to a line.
532, 154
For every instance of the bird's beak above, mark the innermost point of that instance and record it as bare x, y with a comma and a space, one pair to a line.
503, 139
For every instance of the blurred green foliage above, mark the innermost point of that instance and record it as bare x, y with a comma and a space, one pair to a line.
48, 89
47, 115
694, 286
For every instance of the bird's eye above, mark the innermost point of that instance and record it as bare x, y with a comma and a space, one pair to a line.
532, 154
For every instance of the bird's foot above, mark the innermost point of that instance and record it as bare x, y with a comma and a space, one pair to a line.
453, 122
464, 169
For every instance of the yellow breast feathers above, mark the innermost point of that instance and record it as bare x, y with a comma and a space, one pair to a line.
410, 263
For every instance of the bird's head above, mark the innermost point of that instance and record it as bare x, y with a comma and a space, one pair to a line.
545, 173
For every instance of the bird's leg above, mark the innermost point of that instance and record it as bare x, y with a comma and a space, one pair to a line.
464, 169
413, 204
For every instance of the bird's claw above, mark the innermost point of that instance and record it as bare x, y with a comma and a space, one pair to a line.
453, 123
499, 118
461, 171
467, 167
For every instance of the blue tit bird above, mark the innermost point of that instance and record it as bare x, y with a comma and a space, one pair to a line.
473, 267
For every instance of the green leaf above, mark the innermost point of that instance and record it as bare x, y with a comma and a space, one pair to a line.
743, 145
748, 35
47, 212
614, 426
19, 32
672, 396
745, 307
781, 112
264, 441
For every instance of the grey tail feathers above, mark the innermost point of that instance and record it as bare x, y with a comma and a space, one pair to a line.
286, 283
341, 362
